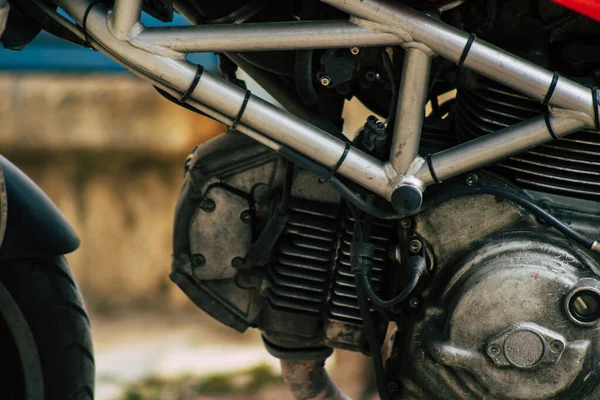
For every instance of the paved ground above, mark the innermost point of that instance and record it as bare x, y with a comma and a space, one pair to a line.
136, 346
133, 346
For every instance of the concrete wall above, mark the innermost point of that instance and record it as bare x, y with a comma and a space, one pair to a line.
109, 151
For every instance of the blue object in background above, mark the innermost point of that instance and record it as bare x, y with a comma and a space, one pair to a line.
47, 53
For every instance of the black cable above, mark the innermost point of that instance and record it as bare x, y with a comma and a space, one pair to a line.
414, 281
365, 314
526, 204
389, 69
346, 193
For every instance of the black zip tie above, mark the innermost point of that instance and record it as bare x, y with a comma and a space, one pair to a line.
88, 38
431, 171
192, 87
549, 126
237, 119
595, 93
327, 177
551, 88
466, 50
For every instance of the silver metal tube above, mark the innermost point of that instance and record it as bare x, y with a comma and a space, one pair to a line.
410, 111
494, 147
4, 9
227, 98
124, 16
265, 36
488, 60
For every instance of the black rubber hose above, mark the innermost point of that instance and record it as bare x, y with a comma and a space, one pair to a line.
303, 77
365, 314
414, 281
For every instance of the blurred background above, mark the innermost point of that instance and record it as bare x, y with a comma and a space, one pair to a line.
110, 151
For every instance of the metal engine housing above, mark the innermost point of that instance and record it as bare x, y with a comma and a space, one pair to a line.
498, 325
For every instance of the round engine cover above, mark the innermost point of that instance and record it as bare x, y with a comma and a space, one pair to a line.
517, 320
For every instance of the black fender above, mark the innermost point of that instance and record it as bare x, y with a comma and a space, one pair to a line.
35, 227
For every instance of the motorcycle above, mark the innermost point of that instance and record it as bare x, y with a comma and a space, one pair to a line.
458, 224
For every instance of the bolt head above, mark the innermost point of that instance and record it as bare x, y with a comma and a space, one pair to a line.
494, 350
237, 263
415, 246
414, 302
405, 223
198, 260
472, 179
246, 216
355, 51
393, 387
208, 205
556, 346
325, 81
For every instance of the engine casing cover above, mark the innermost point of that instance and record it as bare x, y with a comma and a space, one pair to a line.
502, 326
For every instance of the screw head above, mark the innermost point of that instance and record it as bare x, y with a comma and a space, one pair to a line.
405, 223
208, 205
556, 346
198, 260
355, 50
471, 179
237, 262
494, 350
393, 387
246, 216
414, 302
370, 76
325, 81
415, 246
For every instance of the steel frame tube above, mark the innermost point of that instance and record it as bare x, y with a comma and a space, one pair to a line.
410, 110
484, 58
124, 16
227, 99
494, 147
295, 35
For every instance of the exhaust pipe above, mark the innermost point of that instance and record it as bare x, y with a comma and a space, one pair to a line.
308, 380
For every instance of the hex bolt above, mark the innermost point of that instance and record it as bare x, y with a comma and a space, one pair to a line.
556, 346
208, 205
355, 51
370, 76
237, 262
405, 223
246, 216
198, 260
325, 81
393, 387
494, 350
415, 246
414, 302
471, 179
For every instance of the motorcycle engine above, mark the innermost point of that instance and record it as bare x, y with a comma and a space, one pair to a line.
509, 309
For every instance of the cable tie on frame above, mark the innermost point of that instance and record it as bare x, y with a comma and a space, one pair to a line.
551, 89
549, 127
466, 50
327, 177
237, 119
192, 87
431, 171
86, 14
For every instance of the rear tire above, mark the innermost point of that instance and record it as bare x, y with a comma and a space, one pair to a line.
49, 299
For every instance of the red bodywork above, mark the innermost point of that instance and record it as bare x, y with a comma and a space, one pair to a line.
590, 8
